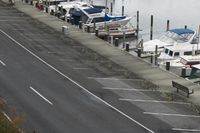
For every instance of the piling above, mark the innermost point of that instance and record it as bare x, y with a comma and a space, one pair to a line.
156, 53
185, 27
151, 30
167, 29
111, 8
80, 25
111, 40
183, 72
122, 10
127, 47
137, 31
116, 42
168, 66
124, 38
151, 60
94, 26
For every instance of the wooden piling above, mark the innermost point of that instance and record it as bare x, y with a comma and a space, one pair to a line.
137, 31
111, 8
167, 25
127, 47
156, 53
151, 29
116, 42
97, 32
185, 27
80, 24
122, 10
168, 66
94, 26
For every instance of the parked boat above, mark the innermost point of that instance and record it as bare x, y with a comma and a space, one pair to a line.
171, 38
90, 15
195, 74
50, 5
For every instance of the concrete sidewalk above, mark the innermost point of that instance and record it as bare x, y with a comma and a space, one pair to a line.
133, 64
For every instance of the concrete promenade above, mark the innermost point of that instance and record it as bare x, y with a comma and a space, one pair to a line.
133, 64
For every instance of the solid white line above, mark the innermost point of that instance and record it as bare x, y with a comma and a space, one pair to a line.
41, 95
127, 89
7, 116
152, 101
2, 63
81, 68
178, 115
74, 82
113, 78
187, 130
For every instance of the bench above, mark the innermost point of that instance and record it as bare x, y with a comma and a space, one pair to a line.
183, 88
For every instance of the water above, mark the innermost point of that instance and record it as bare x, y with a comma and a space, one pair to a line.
179, 12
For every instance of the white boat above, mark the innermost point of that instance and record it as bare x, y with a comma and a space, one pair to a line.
90, 15
174, 52
50, 6
171, 38
195, 74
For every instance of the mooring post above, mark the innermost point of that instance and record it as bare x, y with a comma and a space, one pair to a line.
139, 52
185, 26
168, 66
156, 53
97, 32
80, 24
111, 40
88, 29
122, 10
94, 26
142, 46
127, 47
183, 72
116, 42
137, 30
111, 8
151, 30
124, 38
167, 25
151, 59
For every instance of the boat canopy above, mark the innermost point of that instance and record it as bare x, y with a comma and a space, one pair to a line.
182, 31
108, 18
93, 10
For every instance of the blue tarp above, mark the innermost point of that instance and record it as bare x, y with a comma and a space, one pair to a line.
108, 18
182, 31
93, 10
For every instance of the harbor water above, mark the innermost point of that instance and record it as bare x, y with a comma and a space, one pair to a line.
179, 12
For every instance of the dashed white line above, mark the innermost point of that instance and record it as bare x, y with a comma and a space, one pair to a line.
187, 130
2, 63
165, 114
74, 82
153, 101
127, 89
7, 116
41, 95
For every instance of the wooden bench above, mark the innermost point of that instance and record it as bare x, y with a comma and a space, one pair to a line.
183, 88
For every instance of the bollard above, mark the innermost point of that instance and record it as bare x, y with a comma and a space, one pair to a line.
185, 27
122, 10
97, 32
127, 47
167, 25
94, 26
183, 72
88, 29
111, 8
111, 40
137, 31
80, 24
151, 30
116, 42
151, 59
124, 38
139, 52
156, 53
167, 66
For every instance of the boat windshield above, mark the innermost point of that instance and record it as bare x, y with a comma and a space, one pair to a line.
172, 38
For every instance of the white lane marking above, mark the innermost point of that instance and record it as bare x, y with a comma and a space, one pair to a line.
77, 84
178, 115
2, 63
128, 89
153, 101
114, 79
7, 116
81, 68
40, 95
187, 130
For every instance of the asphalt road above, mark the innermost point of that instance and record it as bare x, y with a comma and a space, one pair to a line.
51, 80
